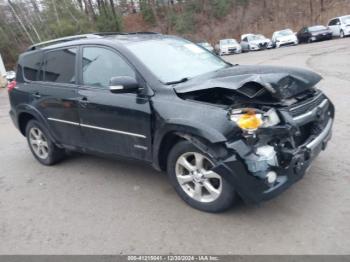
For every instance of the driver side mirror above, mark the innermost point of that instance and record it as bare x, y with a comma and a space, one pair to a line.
123, 84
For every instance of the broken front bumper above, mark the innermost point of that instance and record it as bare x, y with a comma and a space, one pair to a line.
254, 190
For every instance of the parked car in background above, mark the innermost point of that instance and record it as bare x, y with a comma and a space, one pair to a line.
228, 47
314, 33
284, 37
270, 43
340, 26
207, 46
252, 42
10, 76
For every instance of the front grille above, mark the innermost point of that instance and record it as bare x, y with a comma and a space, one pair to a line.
310, 129
305, 132
307, 105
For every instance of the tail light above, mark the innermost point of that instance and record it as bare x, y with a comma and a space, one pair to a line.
11, 85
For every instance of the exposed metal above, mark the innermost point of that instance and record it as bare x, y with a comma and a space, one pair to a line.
323, 135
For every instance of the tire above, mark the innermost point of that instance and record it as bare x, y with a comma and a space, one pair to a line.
223, 194
342, 35
40, 144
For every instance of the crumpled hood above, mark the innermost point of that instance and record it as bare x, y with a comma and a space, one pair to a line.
281, 82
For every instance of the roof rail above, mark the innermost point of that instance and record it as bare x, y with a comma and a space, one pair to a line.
124, 33
62, 40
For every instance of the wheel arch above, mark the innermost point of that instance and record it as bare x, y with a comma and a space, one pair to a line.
27, 113
23, 120
208, 143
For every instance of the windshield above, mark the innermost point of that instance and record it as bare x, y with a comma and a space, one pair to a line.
228, 42
346, 20
174, 59
261, 37
254, 38
285, 33
317, 28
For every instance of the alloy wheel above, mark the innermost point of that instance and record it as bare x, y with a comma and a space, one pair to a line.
38, 143
194, 175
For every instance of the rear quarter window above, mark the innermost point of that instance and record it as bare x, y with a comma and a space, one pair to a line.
29, 66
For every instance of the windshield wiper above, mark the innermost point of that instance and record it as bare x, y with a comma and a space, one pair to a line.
183, 80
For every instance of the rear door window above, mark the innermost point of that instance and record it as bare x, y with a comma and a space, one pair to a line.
59, 66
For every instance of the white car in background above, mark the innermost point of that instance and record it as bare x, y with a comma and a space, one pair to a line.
340, 26
284, 37
10, 76
207, 46
228, 47
252, 42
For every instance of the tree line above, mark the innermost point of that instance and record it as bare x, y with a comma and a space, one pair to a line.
24, 22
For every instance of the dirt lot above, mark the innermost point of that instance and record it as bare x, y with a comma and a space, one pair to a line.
90, 205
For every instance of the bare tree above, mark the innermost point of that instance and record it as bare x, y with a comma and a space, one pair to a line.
113, 8
89, 9
20, 21
27, 20
55, 11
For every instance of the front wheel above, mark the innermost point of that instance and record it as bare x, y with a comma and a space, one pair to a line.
342, 34
190, 173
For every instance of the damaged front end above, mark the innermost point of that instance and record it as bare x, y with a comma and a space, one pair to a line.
280, 130
270, 159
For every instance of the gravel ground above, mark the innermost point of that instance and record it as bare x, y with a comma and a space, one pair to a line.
90, 205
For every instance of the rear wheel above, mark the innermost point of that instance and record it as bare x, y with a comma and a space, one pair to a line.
43, 149
190, 173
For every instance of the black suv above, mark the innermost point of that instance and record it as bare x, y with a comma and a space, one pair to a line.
219, 130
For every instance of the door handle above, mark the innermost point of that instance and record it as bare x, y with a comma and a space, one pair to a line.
37, 95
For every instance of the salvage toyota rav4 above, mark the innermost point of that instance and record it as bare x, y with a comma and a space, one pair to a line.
219, 130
